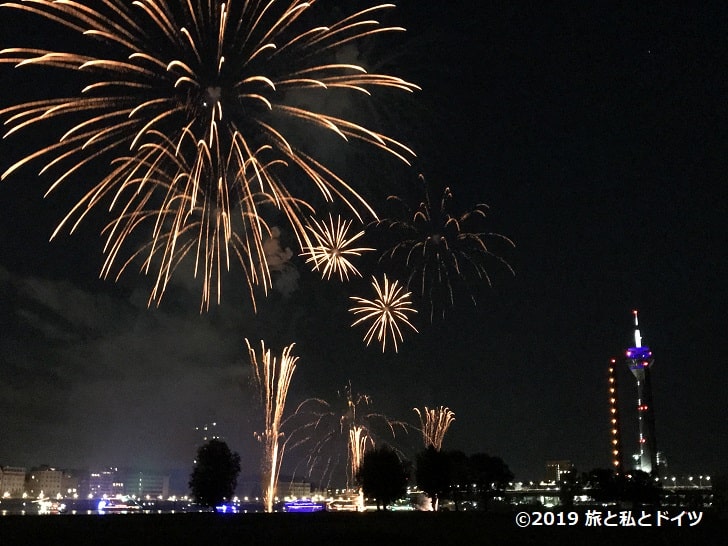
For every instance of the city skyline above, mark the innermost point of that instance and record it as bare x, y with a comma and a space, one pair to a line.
596, 136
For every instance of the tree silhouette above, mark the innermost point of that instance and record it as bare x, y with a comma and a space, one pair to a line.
455, 476
460, 476
642, 490
638, 488
604, 485
490, 475
382, 476
432, 474
215, 474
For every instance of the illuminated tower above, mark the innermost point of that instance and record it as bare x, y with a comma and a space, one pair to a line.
615, 444
639, 359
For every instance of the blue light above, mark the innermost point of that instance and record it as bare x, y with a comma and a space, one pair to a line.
229, 508
303, 506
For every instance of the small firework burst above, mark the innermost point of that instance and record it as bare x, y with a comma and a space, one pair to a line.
388, 312
441, 249
435, 423
333, 247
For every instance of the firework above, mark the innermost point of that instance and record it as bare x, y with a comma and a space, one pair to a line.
440, 248
434, 424
387, 312
273, 378
358, 441
212, 238
333, 245
326, 428
194, 112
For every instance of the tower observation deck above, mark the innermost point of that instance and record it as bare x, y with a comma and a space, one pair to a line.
640, 360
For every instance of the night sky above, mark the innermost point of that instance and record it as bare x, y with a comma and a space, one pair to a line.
596, 134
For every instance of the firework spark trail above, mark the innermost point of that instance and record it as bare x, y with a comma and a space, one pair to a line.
195, 94
273, 378
387, 312
358, 441
333, 245
326, 428
177, 233
439, 248
434, 425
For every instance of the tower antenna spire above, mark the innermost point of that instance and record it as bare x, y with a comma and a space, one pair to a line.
637, 335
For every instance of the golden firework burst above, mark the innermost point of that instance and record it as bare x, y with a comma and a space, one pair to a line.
188, 121
333, 248
388, 312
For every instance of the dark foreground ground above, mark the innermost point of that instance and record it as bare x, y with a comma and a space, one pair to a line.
371, 529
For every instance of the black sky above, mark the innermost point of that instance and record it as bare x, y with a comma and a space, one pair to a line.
598, 136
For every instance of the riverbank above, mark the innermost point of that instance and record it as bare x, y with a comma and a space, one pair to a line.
351, 529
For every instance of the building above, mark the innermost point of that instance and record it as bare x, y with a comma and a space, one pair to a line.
640, 361
108, 482
293, 488
44, 481
70, 484
12, 482
555, 470
144, 484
